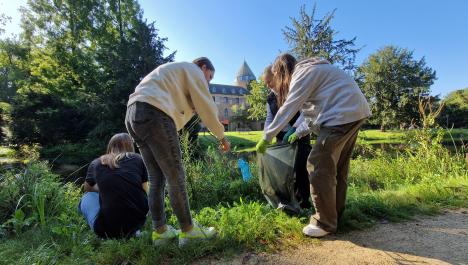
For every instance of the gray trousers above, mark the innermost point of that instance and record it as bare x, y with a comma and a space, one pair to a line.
156, 136
328, 167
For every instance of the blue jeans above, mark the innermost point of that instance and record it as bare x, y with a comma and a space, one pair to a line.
89, 207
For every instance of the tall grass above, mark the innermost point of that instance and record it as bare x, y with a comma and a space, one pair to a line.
215, 178
423, 178
48, 230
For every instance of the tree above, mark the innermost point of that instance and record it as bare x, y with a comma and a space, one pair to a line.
83, 59
393, 81
13, 67
4, 19
240, 115
311, 37
455, 112
257, 100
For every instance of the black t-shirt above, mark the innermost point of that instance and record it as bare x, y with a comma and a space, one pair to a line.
123, 201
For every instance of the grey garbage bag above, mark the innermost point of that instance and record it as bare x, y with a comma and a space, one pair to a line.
276, 177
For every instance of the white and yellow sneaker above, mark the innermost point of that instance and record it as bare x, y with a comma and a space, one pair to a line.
197, 233
165, 238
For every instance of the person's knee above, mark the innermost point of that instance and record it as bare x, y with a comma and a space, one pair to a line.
323, 179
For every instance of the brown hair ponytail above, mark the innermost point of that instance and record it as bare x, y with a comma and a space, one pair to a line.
282, 69
118, 147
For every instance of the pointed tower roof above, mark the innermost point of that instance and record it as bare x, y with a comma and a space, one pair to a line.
244, 75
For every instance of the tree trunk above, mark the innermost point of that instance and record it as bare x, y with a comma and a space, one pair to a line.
382, 127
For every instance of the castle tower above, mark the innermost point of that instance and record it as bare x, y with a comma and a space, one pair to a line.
244, 76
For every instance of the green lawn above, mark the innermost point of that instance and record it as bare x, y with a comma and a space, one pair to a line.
39, 223
7, 155
246, 141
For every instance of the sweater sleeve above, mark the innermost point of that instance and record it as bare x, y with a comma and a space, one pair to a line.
302, 128
204, 105
299, 92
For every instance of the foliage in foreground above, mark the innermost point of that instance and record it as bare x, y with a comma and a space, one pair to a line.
421, 180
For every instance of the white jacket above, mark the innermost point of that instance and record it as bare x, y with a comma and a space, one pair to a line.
326, 95
178, 89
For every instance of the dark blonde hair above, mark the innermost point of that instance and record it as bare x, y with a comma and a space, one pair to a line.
204, 61
118, 147
267, 75
282, 69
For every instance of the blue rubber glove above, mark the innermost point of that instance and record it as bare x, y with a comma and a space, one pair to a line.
292, 138
261, 146
288, 133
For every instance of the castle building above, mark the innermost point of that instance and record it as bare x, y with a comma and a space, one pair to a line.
244, 76
229, 97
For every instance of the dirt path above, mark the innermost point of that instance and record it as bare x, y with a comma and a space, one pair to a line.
439, 239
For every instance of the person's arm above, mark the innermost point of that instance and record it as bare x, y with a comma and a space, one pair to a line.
145, 186
302, 126
87, 187
143, 173
299, 90
299, 120
90, 183
206, 108
204, 104
269, 117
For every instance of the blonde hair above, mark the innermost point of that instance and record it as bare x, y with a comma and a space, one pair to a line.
118, 147
282, 69
267, 75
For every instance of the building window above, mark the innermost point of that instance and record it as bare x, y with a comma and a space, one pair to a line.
224, 90
226, 100
233, 90
237, 100
213, 89
226, 113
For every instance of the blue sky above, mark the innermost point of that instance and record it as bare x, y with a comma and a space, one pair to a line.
229, 31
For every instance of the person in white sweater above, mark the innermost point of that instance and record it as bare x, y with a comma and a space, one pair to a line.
301, 183
334, 108
161, 105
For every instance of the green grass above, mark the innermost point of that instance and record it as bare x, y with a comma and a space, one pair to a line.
246, 141
422, 180
7, 155
377, 137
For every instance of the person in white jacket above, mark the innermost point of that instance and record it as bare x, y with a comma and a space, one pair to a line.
334, 108
161, 105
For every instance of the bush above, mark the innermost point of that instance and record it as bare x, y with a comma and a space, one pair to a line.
32, 196
217, 179
420, 180
5, 111
73, 153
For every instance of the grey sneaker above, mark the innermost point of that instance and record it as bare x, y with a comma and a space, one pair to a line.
165, 238
197, 233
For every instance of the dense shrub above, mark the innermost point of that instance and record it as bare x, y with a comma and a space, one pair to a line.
33, 196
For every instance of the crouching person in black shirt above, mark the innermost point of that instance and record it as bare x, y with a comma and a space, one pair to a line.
115, 204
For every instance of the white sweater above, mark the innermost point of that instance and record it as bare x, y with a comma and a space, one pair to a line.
178, 89
326, 95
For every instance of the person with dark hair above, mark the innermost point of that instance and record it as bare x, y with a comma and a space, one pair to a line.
334, 108
115, 204
161, 105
